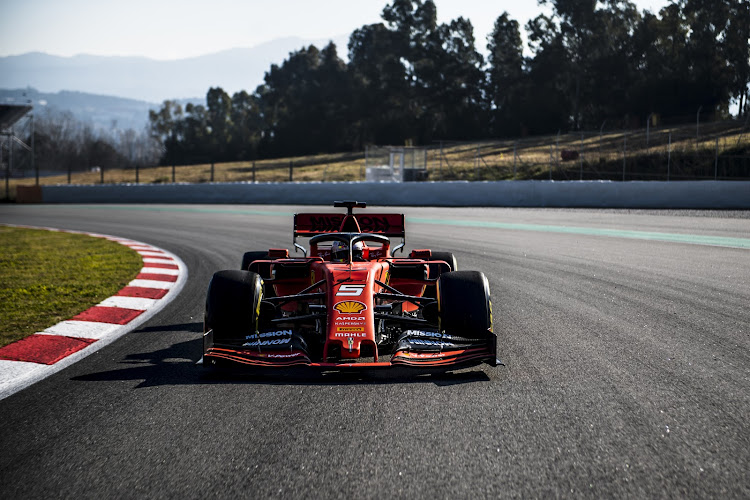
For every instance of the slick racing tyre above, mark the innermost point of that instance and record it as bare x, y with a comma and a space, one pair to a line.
447, 257
233, 305
251, 257
464, 306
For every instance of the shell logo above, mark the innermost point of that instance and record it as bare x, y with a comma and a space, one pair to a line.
350, 307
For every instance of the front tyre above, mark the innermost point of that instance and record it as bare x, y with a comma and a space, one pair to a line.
250, 257
233, 305
447, 257
464, 305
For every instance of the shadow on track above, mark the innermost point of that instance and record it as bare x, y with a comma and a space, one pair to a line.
196, 327
176, 365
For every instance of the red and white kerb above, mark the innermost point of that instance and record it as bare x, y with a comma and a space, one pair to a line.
28, 360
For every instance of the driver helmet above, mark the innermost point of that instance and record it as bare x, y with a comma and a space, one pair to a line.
358, 251
340, 251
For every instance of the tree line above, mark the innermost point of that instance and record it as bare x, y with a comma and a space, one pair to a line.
411, 79
64, 143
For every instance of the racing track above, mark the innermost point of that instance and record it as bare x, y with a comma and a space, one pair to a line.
628, 374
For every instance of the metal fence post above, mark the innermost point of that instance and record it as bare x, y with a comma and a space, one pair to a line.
362, 176
253, 172
624, 154
7, 174
173, 173
476, 164
551, 159
291, 170
136, 173
10, 154
70, 173
212, 171
33, 162
515, 149
669, 155
716, 160
648, 128
739, 139
580, 155
101, 174
441, 161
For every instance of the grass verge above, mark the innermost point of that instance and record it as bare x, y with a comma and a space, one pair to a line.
47, 277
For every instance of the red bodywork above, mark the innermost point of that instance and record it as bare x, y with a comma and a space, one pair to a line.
346, 296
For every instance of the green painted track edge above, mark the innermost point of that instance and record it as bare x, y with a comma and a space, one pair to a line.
694, 239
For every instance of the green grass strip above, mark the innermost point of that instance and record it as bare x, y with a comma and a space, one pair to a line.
47, 277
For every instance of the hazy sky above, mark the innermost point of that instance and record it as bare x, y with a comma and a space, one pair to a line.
172, 29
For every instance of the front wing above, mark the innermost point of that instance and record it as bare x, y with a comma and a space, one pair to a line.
484, 352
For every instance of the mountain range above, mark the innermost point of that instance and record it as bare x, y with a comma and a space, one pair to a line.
90, 86
101, 111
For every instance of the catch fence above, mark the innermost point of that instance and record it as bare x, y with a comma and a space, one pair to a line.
719, 150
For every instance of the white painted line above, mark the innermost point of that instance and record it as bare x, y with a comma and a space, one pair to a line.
84, 329
152, 284
137, 303
151, 254
149, 260
11, 367
159, 270
15, 373
123, 241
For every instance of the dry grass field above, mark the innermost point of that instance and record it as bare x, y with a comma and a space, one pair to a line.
679, 152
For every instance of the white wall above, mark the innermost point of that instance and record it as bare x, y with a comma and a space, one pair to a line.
603, 194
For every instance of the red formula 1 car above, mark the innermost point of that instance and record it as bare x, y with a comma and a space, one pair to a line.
349, 303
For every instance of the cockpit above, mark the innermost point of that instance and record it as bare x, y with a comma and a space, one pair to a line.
350, 247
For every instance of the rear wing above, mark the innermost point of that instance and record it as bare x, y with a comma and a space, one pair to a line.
385, 224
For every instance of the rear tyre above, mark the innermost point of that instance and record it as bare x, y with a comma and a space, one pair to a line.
233, 305
447, 257
464, 305
251, 257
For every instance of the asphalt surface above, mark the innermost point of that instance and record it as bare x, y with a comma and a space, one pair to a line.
627, 375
